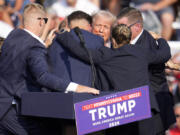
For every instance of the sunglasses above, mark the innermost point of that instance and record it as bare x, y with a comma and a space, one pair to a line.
45, 19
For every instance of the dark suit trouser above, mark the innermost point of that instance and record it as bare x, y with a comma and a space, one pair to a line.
13, 124
165, 101
151, 126
127, 129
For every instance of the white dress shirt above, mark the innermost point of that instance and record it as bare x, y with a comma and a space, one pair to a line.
136, 39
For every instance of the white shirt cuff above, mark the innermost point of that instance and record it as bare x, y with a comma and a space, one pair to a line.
71, 87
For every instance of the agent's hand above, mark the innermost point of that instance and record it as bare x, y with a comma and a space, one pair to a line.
50, 38
148, 6
154, 35
48, 28
85, 89
171, 65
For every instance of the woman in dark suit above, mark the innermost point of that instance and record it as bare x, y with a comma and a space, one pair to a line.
123, 67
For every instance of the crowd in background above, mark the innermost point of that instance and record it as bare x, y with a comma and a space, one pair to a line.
165, 11
159, 16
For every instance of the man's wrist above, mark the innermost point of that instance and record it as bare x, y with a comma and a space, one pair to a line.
71, 87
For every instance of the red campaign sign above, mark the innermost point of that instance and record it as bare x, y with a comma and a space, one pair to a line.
111, 101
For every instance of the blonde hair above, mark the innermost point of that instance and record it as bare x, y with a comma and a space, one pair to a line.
122, 34
32, 10
106, 14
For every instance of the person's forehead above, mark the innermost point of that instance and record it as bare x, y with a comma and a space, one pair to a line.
177, 110
123, 20
80, 23
79, 20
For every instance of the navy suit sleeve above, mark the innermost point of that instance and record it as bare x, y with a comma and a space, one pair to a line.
160, 55
99, 56
56, 63
39, 68
92, 41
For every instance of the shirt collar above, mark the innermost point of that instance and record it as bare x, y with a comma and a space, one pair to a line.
108, 44
36, 37
136, 39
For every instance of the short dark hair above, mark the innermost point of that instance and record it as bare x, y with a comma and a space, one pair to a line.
122, 34
132, 14
77, 15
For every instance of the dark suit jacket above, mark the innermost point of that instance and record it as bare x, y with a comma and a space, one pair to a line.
65, 65
126, 67
156, 71
23, 67
158, 81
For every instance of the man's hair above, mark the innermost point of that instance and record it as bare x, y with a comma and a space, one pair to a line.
132, 14
121, 33
78, 15
106, 14
32, 9
63, 25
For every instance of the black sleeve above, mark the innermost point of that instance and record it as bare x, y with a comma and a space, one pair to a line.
160, 55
